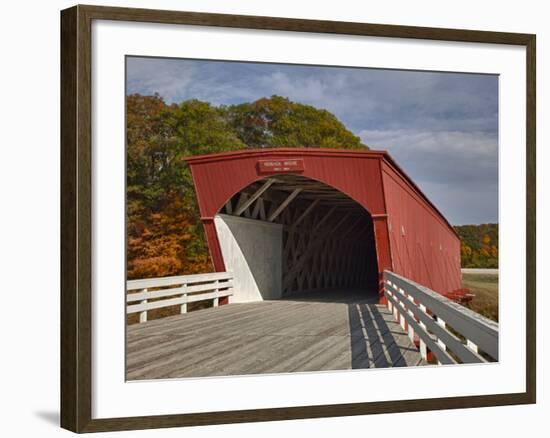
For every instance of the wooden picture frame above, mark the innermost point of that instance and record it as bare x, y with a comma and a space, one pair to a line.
76, 217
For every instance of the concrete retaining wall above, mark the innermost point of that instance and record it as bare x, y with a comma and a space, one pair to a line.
252, 250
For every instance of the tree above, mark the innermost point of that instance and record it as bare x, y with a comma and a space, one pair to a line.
479, 245
278, 122
198, 128
147, 135
165, 234
159, 136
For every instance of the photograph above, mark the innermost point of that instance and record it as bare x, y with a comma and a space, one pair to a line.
292, 218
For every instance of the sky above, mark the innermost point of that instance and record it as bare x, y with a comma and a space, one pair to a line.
441, 128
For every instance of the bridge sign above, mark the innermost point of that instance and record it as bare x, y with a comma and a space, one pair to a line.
281, 166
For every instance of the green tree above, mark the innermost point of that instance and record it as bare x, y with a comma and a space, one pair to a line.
279, 122
159, 136
197, 128
146, 136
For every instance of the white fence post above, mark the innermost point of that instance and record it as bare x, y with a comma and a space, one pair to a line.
217, 299
390, 305
423, 348
183, 308
395, 310
441, 323
472, 346
411, 330
143, 315
403, 309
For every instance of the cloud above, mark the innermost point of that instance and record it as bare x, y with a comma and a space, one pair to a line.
452, 154
163, 76
442, 128
457, 170
461, 206
304, 89
178, 80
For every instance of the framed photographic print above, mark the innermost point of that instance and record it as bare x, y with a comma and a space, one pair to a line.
268, 218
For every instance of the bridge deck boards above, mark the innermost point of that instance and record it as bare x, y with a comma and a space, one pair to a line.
311, 332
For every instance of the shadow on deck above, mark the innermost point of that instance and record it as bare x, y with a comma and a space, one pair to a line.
317, 331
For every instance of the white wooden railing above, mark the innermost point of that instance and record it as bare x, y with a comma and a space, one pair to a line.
154, 293
435, 320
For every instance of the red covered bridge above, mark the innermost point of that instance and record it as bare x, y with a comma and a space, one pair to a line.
346, 216
330, 259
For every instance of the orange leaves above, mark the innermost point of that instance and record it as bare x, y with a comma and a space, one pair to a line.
166, 242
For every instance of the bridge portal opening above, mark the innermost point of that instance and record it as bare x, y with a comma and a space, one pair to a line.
287, 234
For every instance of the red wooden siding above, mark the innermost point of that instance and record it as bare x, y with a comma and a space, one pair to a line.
217, 177
423, 246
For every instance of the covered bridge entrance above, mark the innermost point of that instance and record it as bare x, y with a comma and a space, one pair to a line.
295, 220
288, 233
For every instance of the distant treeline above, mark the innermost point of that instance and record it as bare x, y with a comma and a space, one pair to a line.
479, 245
165, 235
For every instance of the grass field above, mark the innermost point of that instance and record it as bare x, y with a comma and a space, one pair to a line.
485, 288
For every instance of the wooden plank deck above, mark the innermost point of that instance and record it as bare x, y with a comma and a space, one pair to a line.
311, 332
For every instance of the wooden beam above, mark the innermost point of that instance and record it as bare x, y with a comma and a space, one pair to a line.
243, 196
228, 207
340, 222
350, 229
308, 252
262, 209
285, 203
323, 220
253, 197
271, 195
319, 187
362, 231
306, 212
256, 209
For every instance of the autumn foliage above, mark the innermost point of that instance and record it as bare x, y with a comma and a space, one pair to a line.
164, 231
479, 245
